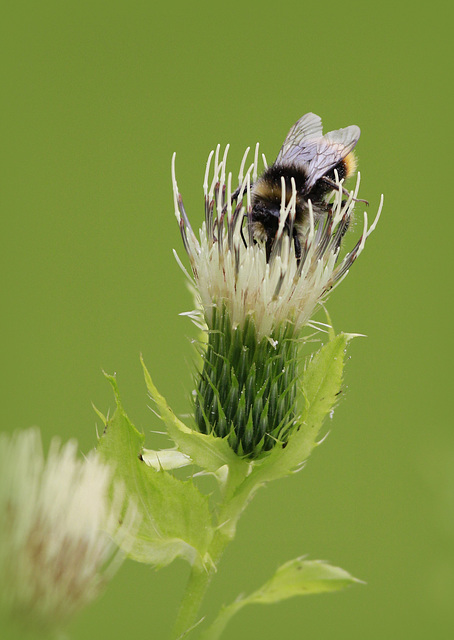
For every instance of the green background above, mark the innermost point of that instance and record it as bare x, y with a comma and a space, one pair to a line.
96, 97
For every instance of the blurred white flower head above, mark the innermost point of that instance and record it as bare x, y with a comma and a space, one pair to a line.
58, 518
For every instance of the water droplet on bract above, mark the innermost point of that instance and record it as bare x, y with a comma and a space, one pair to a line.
331, 414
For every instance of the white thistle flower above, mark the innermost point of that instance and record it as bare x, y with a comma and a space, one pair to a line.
58, 518
227, 269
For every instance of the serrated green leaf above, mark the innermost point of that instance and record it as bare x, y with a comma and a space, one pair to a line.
321, 385
176, 519
206, 451
295, 578
322, 380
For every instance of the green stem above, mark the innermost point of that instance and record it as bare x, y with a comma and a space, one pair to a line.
200, 577
216, 629
198, 582
196, 588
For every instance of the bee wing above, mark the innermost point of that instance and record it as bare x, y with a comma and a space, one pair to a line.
331, 149
300, 145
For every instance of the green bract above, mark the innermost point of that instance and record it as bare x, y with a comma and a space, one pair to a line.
247, 390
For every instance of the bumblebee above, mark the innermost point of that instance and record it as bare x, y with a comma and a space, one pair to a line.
311, 159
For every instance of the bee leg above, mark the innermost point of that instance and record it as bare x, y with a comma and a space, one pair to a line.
347, 222
344, 230
242, 235
337, 187
236, 193
297, 243
268, 247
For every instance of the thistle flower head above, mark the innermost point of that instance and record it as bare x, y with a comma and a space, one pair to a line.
232, 270
255, 295
57, 519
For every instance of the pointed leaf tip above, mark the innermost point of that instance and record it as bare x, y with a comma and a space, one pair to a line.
113, 382
99, 413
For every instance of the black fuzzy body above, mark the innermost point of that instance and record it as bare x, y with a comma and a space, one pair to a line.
267, 199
